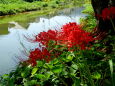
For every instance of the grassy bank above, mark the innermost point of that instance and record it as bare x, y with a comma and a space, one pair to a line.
22, 6
14, 7
21, 10
31, 14
15, 12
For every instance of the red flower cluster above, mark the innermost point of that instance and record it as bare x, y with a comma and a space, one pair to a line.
45, 37
108, 13
70, 35
37, 54
73, 36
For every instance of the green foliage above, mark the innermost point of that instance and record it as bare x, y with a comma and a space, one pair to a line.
89, 22
88, 9
8, 7
11, 1
77, 68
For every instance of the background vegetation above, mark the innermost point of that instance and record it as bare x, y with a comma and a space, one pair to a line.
8, 7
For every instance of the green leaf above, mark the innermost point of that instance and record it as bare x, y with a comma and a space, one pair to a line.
40, 76
48, 66
96, 75
72, 71
55, 61
25, 72
74, 66
76, 82
34, 71
25, 81
48, 74
65, 72
111, 66
32, 82
40, 63
5, 76
57, 69
11, 82
70, 57
111, 69
57, 46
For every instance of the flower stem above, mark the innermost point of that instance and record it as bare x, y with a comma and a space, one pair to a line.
112, 24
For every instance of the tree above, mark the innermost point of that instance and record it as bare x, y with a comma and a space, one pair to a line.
103, 26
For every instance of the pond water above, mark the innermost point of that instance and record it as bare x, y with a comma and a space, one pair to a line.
13, 42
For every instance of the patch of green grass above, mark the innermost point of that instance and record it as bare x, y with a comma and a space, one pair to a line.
89, 22
31, 14
21, 6
8, 7
88, 9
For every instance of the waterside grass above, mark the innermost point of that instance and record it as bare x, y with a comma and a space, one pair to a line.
33, 13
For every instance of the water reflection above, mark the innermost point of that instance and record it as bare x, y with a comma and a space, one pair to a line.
11, 49
4, 29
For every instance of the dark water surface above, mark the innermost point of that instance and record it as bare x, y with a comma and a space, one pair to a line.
13, 44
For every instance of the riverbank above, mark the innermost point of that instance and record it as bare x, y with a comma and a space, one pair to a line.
9, 15
32, 14
22, 6
21, 10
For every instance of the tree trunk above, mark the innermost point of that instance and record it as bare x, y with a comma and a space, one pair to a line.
103, 26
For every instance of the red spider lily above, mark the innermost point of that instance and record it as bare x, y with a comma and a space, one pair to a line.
73, 35
108, 13
46, 54
39, 55
70, 35
45, 37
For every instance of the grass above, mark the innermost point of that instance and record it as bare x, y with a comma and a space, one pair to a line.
22, 6
20, 10
26, 11
31, 14
89, 22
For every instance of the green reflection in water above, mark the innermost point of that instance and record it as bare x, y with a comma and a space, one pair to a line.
22, 19
4, 29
